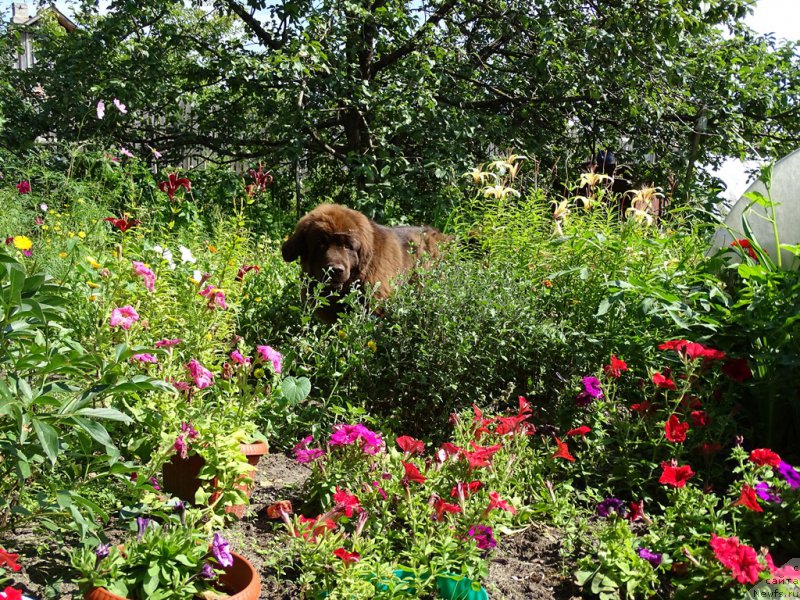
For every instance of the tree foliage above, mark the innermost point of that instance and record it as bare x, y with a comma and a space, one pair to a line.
385, 102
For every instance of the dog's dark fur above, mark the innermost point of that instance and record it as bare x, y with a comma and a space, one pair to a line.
341, 248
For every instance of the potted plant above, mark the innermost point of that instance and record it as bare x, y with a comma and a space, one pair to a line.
168, 560
217, 440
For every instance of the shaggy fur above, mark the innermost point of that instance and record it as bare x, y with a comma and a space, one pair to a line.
341, 248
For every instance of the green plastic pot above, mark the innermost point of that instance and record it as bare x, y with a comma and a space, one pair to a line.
455, 587
398, 574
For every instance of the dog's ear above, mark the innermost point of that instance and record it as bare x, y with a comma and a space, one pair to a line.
293, 248
365, 248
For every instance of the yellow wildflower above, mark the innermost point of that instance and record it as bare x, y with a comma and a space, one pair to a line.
82, 235
93, 262
372, 346
258, 299
212, 249
341, 334
93, 285
22, 242
63, 255
92, 298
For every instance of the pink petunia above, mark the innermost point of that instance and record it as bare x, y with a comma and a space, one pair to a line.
120, 106
145, 273
166, 343
239, 359
101, 109
124, 317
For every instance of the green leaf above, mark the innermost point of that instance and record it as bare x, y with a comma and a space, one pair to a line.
111, 414
48, 438
295, 390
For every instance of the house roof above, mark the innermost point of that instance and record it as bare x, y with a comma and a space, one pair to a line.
62, 19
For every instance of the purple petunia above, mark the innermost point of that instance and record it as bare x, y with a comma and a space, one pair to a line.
304, 454
483, 536
102, 550
142, 523
766, 493
654, 558
207, 572
611, 505
591, 391
790, 474
221, 551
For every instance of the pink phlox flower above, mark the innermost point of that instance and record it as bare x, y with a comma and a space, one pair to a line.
144, 358
345, 435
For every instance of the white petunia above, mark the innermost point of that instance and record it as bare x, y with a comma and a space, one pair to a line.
186, 255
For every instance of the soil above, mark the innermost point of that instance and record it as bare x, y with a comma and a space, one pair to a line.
525, 566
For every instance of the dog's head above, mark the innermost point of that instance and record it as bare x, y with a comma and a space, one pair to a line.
334, 245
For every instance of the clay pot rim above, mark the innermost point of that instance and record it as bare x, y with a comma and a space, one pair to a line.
256, 448
250, 592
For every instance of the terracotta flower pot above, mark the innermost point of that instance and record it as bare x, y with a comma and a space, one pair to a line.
240, 580
180, 476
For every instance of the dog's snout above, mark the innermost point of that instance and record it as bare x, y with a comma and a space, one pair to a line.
335, 269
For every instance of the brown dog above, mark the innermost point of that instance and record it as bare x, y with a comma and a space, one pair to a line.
341, 247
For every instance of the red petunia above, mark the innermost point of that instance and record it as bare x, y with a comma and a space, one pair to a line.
349, 502
663, 382
676, 476
312, 527
748, 499
616, 367
467, 489
675, 429
412, 473
495, 501
451, 449
764, 456
409, 445
740, 559
699, 418
563, 451
441, 507
642, 407
12, 594
581, 431
636, 511
347, 558
745, 245
509, 424
245, 269
481, 455
9, 561
737, 369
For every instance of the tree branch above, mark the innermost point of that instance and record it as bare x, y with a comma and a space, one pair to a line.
264, 36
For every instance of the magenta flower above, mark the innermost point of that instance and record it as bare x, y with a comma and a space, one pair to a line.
189, 430
483, 536
304, 454
591, 390
202, 377
168, 343
181, 447
345, 435
154, 483
271, 355
237, 357
221, 551
215, 297
144, 358
124, 317
24, 187
145, 273
125, 152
